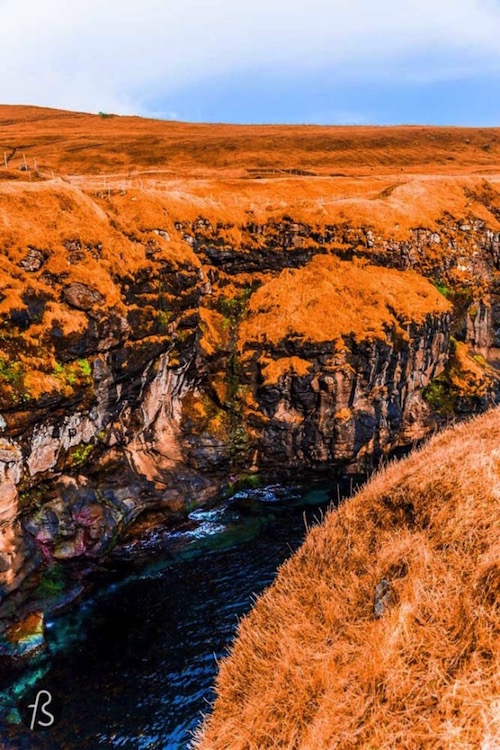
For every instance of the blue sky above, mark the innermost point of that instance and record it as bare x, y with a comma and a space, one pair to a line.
314, 61
322, 98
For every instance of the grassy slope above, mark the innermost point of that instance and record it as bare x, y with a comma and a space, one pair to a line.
82, 143
314, 668
395, 180
397, 177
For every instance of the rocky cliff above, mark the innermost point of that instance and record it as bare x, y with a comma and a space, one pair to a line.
156, 348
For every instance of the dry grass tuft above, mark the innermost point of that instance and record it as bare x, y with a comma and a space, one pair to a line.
322, 664
274, 369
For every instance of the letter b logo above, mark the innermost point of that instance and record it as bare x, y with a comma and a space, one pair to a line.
39, 710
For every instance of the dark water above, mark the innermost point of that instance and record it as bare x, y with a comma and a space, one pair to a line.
133, 666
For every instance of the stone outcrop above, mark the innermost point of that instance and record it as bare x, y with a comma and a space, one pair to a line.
352, 408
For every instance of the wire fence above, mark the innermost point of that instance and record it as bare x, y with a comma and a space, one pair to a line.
106, 185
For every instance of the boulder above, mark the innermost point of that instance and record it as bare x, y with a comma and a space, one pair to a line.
81, 296
32, 261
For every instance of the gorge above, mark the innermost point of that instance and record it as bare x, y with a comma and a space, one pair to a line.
191, 311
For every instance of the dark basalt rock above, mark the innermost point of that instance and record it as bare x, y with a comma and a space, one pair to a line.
20, 318
33, 260
82, 297
382, 599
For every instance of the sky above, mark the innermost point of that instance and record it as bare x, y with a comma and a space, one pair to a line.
289, 61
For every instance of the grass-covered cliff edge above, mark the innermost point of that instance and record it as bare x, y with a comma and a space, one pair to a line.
185, 309
383, 630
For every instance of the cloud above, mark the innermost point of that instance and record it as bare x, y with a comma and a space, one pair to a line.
125, 55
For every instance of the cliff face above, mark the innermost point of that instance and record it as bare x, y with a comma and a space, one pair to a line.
352, 407
149, 360
340, 353
98, 341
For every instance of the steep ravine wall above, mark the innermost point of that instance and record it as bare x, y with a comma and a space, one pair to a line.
355, 406
178, 379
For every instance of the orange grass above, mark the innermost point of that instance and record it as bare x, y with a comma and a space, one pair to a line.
313, 668
79, 242
274, 369
83, 143
470, 373
390, 206
329, 299
387, 179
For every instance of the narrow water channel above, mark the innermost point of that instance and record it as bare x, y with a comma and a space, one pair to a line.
132, 665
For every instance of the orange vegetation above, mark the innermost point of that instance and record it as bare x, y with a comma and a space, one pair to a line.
387, 179
113, 198
74, 241
383, 631
329, 300
390, 206
82, 143
215, 332
469, 373
274, 369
